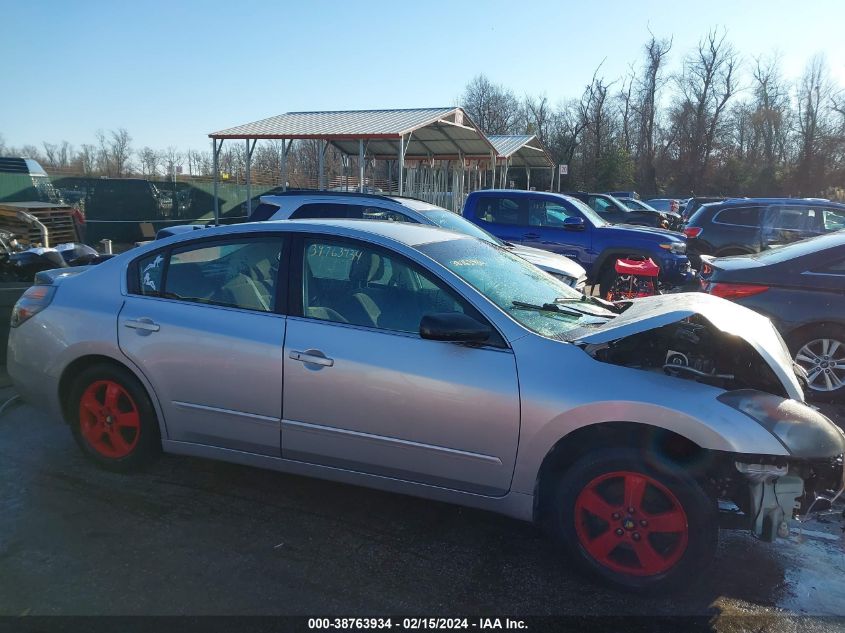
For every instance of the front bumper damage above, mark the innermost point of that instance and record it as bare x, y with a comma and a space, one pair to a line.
779, 492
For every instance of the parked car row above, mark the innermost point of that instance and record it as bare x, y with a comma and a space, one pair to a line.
465, 365
409, 358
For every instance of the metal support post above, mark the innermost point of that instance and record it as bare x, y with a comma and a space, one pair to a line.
249, 150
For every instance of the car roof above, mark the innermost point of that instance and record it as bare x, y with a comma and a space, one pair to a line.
796, 201
409, 234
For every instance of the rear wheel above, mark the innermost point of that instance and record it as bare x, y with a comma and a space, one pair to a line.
632, 525
112, 418
821, 352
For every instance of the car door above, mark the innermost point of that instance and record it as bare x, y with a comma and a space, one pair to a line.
546, 219
364, 392
203, 323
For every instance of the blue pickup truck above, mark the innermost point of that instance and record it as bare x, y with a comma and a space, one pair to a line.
567, 226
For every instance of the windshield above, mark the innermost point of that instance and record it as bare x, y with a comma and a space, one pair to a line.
507, 280
454, 222
587, 211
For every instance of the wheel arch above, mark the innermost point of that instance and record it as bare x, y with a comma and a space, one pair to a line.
795, 335
657, 444
75, 367
611, 254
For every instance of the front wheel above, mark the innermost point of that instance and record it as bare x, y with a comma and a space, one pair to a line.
634, 526
112, 418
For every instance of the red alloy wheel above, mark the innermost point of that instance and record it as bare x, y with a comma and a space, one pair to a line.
631, 523
109, 419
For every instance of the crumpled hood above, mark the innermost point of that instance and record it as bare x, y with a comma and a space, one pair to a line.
549, 261
653, 312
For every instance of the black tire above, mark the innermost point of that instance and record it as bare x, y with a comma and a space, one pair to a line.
606, 277
138, 444
805, 337
684, 555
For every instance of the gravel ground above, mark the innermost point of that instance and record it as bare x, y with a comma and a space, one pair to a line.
197, 537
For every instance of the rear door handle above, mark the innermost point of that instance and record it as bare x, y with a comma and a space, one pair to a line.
531, 236
145, 324
312, 357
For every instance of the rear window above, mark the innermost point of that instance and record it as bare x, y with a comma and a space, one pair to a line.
739, 216
263, 212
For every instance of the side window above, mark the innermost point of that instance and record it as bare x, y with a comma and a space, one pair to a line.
380, 213
331, 210
149, 274
786, 218
742, 216
501, 210
237, 274
349, 282
548, 213
599, 205
263, 212
834, 219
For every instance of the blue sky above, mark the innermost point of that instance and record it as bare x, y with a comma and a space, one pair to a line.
170, 72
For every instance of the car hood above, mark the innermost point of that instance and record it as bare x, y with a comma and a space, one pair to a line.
548, 261
628, 229
651, 313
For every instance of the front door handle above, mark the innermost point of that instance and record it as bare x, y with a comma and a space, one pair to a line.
531, 236
145, 324
312, 357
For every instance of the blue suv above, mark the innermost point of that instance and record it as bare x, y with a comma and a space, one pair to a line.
567, 226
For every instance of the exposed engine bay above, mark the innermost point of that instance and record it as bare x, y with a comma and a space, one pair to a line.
695, 350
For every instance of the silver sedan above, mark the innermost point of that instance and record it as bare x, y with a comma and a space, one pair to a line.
417, 360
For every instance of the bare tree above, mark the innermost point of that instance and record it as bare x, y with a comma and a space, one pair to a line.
494, 109
648, 89
149, 159
706, 85
120, 151
815, 94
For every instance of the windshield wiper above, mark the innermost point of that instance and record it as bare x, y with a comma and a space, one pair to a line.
546, 307
607, 305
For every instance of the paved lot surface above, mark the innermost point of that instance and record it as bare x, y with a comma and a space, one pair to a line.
198, 537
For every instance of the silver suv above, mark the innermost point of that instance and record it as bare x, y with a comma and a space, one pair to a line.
345, 205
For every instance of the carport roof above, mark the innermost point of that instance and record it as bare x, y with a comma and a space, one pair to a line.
523, 150
436, 133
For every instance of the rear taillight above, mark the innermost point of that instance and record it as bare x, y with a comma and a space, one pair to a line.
693, 231
33, 301
734, 291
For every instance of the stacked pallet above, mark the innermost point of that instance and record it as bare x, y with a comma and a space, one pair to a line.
19, 218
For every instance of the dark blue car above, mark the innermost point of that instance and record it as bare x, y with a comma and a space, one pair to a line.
567, 226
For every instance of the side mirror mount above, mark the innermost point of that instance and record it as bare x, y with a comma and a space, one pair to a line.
454, 327
574, 223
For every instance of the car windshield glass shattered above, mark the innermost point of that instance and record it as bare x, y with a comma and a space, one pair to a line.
533, 298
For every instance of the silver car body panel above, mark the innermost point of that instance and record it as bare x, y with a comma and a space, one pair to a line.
511, 406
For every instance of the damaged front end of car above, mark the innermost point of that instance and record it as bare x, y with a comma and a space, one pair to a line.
723, 345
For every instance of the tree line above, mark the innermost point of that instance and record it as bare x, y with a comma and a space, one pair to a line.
718, 124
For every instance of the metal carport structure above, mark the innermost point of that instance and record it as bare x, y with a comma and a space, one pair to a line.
422, 136
520, 150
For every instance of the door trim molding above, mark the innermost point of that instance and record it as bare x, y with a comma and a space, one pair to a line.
240, 414
491, 459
